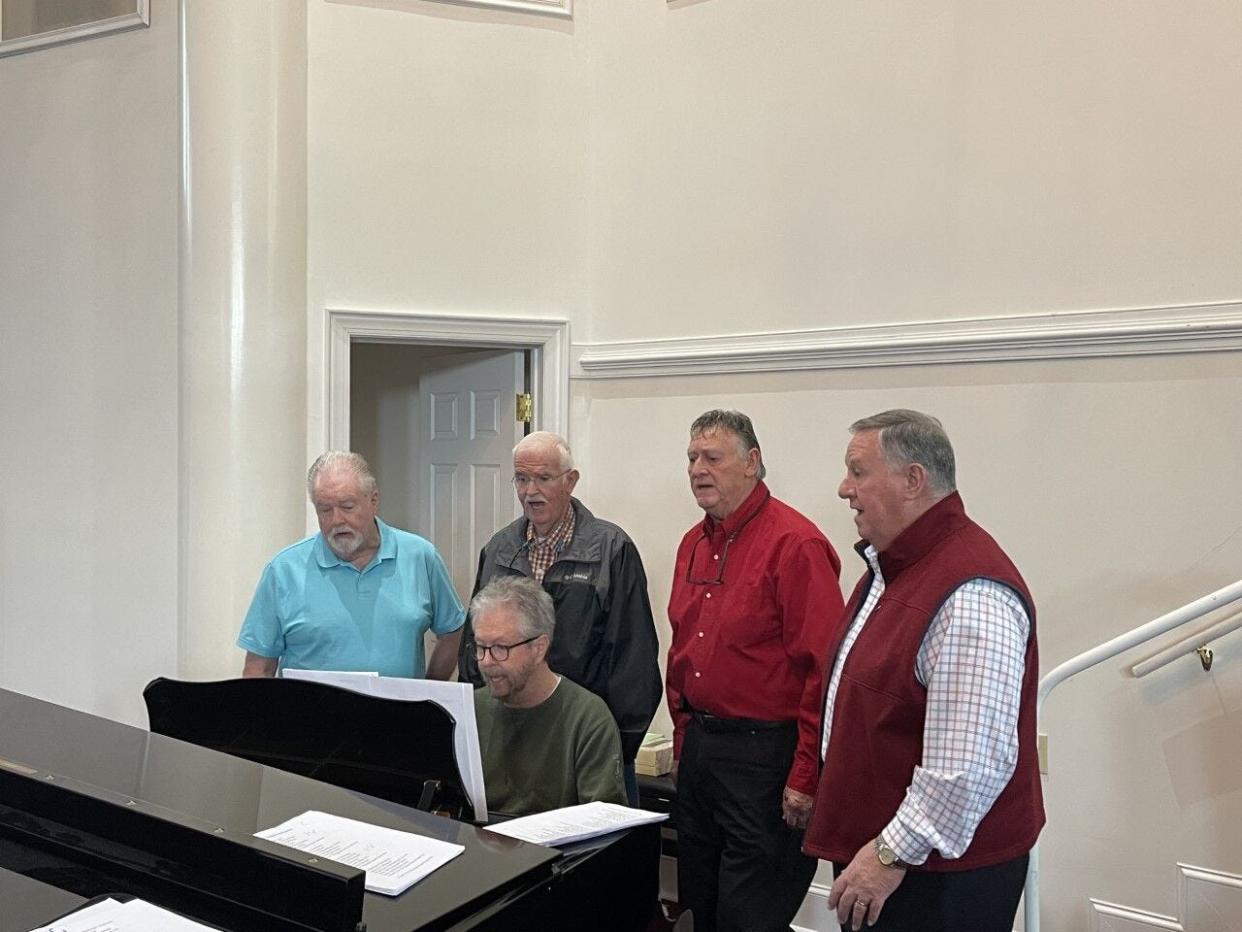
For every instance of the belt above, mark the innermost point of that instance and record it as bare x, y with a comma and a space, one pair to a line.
715, 724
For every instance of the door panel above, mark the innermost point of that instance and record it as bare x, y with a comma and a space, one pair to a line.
465, 457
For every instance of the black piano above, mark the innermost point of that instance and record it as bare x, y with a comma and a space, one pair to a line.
90, 807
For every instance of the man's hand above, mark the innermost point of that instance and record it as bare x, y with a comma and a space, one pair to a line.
859, 893
796, 808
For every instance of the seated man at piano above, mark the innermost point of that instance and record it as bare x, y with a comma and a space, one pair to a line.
357, 596
546, 742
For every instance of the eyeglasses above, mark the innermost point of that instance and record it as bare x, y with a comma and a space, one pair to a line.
524, 482
719, 559
499, 652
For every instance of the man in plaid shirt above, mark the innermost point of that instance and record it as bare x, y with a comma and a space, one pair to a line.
929, 797
605, 637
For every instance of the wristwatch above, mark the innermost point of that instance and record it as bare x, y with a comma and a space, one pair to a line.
887, 856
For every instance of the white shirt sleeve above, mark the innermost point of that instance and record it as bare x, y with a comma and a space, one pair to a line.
972, 660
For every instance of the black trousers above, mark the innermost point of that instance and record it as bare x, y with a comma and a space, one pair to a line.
739, 867
981, 900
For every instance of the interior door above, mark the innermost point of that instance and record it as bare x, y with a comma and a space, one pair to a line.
465, 454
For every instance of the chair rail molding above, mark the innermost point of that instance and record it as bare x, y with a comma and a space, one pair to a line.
1196, 328
546, 338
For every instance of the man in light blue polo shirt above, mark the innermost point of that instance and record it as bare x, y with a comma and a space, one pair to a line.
359, 595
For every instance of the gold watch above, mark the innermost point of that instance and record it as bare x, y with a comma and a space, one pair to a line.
887, 856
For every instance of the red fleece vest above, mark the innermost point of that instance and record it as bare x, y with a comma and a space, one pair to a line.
880, 707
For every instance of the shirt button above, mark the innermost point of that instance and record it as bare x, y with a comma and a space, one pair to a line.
697, 675
700, 634
709, 595
716, 557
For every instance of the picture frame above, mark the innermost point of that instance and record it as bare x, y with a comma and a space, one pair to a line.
564, 8
26, 25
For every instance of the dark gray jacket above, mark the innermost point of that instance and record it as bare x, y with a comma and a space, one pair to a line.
605, 636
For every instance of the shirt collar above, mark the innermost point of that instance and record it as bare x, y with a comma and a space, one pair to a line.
741, 515
387, 549
561, 531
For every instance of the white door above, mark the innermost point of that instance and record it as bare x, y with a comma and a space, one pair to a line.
465, 454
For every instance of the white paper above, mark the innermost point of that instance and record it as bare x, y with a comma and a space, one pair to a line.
574, 823
394, 860
455, 698
114, 916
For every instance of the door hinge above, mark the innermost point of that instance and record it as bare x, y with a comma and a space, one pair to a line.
525, 408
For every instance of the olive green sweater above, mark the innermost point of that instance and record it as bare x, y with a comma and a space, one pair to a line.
562, 752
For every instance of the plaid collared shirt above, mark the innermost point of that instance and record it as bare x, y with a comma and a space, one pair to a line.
971, 660
544, 551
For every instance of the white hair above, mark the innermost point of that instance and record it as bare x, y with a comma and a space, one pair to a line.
344, 460
545, 439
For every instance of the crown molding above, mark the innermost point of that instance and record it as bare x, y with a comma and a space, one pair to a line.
1195, 328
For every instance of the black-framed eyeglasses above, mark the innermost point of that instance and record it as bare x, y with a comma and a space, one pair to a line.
718, 559
521, 481
499, 652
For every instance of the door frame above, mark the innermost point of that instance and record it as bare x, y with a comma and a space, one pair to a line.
547, 339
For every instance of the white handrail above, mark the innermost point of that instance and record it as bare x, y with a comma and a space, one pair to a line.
1087, 659
1188, 645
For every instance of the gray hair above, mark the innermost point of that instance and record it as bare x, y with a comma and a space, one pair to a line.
532, 605
735, 422
335, 460
913, 437
545, 438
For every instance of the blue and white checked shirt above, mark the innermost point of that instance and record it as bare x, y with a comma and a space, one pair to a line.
971, 661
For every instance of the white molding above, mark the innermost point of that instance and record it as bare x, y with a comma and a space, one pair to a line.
1061, 335
548, 339
126, 21
563, 8
1191, 875
1139, 919
1106, 915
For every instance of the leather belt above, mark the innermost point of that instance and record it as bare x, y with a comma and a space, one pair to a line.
715, 724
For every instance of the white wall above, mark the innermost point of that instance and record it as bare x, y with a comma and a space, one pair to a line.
804, 163
447, 164
88, 368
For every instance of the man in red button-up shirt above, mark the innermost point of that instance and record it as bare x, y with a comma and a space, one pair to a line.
754, 604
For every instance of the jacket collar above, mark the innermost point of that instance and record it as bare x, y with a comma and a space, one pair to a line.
584, 546
916, 541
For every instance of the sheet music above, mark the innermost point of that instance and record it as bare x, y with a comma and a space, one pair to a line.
114, 916
394, 860
574, 823
455, 698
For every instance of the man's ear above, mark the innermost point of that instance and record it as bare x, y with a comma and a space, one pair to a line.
541, 648
915, 481
571, 480
752, 461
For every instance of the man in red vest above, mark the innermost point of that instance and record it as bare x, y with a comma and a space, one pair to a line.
755, 603
929, 797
